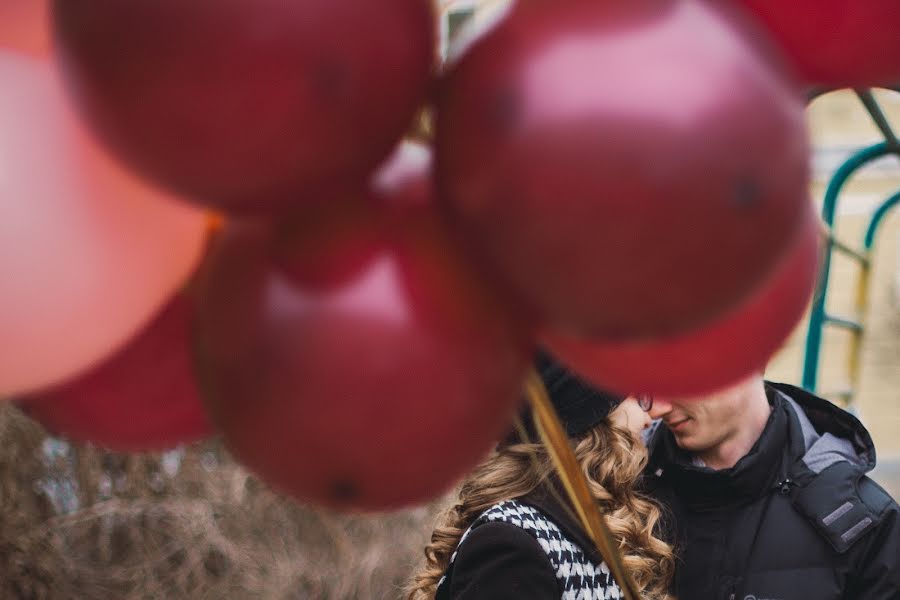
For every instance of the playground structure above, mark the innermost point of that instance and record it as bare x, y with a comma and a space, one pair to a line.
861, 254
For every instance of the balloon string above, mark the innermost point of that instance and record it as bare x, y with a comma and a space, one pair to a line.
552, 434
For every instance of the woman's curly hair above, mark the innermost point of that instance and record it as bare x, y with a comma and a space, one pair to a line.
612, 460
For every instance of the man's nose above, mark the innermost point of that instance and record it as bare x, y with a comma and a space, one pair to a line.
661, 407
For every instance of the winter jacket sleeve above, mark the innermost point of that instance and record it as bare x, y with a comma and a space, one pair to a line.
499, 561
877, 573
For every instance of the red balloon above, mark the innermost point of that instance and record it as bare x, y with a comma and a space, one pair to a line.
143, 398
24, 26
88, 254
836, 43
249, 104
592, 150
351, 357
716, 355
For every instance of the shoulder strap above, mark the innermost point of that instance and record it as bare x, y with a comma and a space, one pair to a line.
833, 504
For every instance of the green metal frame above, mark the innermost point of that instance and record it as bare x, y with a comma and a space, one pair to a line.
819, 317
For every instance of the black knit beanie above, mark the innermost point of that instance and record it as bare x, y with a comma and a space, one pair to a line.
580, 405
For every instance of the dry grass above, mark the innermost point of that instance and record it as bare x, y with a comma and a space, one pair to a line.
76, 522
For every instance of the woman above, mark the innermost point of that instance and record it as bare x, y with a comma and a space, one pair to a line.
511, 534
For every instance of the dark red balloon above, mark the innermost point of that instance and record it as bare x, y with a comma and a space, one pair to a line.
351, 356
625, 174
836, 43
143, 398
717, 354
249, 104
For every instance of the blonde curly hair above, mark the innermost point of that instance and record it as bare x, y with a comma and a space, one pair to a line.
611, 459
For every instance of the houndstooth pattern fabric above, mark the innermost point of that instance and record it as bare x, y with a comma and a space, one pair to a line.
579, 578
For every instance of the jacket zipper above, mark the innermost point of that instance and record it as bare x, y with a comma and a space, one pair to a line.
784, 487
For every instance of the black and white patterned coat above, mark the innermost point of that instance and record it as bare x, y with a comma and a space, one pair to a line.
515, 550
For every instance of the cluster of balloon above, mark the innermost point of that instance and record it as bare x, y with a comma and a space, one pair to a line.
605, 182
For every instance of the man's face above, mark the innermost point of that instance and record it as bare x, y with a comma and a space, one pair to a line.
703, 423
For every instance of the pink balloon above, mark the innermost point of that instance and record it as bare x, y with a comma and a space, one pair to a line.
716, 354
25, 26
88, 253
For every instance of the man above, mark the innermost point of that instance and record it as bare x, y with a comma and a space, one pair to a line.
768, 498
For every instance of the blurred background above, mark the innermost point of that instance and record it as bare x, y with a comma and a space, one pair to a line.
841, 127
79, 522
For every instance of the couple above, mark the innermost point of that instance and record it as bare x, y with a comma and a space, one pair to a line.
756, 492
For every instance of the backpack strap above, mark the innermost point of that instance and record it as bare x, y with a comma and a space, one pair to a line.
832, 502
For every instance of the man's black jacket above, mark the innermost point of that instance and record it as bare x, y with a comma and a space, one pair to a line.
795, 519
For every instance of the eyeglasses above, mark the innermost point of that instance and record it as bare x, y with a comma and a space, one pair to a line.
645, 401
